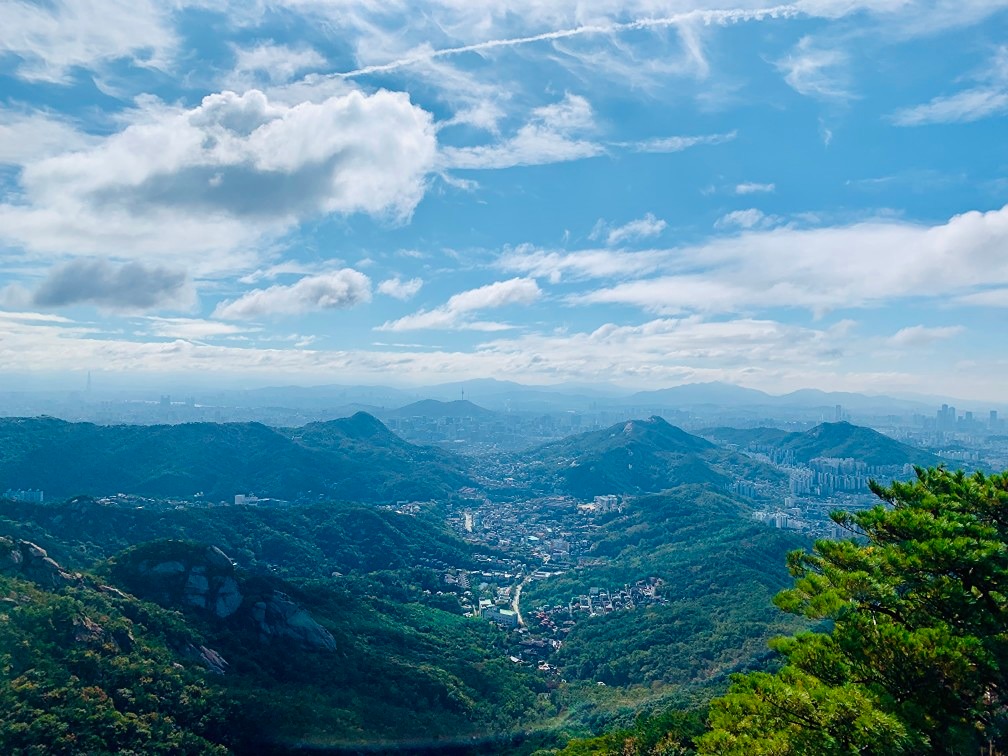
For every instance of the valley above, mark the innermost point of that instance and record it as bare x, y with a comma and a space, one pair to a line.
623, 570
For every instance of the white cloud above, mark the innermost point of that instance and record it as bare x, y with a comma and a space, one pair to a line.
339, 290
988, 98
550, 136
919, 335
54, 37
275, 63
454, 314
601, 24
29, 136
642, 228
592, 263
988, 298
819, 269
211, 182
399, 289
193, 328
816, 72
677, 143
746, 219
971, 105
751, 187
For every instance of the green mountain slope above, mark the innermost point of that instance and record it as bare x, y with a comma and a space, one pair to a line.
87, 669
719, 571
353, 458
863, 444
249, 662
638, 456
828, 440
309, 541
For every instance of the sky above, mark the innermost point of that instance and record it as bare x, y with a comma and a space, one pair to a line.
642, 193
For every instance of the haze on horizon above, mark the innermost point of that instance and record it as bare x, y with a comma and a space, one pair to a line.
637, 194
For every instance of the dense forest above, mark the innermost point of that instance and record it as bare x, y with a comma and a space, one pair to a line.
131, 625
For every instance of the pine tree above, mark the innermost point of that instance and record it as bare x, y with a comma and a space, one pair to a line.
914, 652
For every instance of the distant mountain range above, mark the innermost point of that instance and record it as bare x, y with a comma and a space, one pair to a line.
639, 456
355, 458
435, 408
718, 394
829, 440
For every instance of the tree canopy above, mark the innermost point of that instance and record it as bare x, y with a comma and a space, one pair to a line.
912, 651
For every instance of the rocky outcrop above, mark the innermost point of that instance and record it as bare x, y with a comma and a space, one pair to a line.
277, 617
171, 574
30, 561
204, 579
210, 659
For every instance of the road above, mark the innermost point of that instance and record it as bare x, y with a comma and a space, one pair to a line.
516, 600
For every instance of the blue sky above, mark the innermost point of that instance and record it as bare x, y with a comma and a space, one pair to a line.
640, 193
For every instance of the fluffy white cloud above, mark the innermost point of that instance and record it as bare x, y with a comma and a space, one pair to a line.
212, 181
342, 289
454, 314
26, 137
399, 289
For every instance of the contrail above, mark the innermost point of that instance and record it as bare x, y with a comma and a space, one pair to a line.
720, 17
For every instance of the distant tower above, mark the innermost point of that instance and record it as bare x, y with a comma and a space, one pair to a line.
89, 381
463, 393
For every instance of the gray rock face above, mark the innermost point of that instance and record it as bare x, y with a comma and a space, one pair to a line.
280, 618
229, 598
31, 561
205, 579
168, 568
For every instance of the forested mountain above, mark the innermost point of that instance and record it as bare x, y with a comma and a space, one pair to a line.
310, 541
829, 440
242, 661
353, 458
639, 456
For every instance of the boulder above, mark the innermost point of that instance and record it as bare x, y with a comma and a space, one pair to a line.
277, 617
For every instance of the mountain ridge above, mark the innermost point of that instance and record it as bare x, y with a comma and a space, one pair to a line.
349, 458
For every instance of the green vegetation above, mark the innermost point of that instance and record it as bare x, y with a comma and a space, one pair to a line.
916, 658
351, 459
87, 671
720, 572
640, 456
104, 672
841, 440
301, 542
